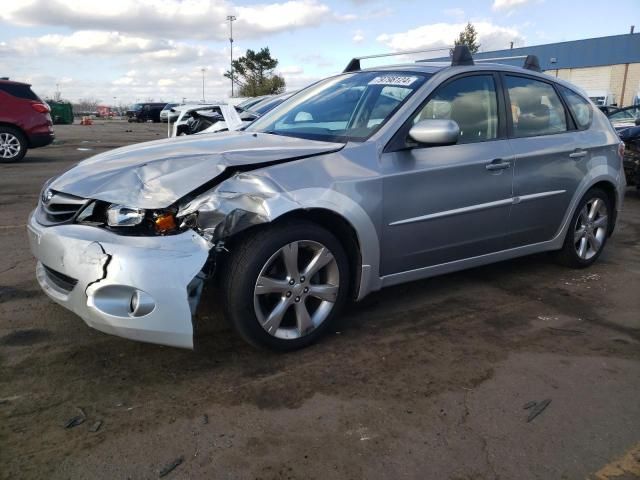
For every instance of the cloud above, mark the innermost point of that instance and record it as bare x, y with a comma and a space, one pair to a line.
195, 19
97, 42
508, 4
358, 37
490, 37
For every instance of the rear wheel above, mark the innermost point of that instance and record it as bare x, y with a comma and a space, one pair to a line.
588, 231
285, 284
13, 145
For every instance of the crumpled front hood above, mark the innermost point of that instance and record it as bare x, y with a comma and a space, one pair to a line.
156, 174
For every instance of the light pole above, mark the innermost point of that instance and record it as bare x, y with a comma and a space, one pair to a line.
203, 70
231, 19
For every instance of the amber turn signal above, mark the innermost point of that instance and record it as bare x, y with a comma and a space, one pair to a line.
164, 223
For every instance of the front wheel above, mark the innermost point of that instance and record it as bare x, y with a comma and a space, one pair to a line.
588, 231
285, 284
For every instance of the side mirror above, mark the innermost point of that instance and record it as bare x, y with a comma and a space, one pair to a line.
637, 122
435, 132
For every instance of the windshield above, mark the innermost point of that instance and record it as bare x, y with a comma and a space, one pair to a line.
342, 108
169, 106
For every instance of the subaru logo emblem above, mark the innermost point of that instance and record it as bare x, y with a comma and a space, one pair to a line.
47, 195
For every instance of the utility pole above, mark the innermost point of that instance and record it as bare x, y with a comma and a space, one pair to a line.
203, 70
231, 19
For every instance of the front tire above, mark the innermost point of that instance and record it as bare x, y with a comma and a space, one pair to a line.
588, 231
285, 284
13, 145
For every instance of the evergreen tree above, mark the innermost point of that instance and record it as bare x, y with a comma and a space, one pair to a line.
253, 73
469, 37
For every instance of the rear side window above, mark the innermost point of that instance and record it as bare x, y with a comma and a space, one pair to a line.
535, 107
580, 108
20, 91
471, 102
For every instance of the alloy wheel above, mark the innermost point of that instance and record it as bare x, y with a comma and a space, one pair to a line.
591, 228
296, 289
9, 145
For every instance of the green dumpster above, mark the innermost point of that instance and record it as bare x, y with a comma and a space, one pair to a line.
61, 112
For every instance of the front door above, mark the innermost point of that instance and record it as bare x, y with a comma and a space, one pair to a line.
446, 203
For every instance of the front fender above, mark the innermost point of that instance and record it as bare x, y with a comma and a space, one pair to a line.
247, 199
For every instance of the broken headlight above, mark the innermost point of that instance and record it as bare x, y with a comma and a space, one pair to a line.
136, 221
123, 216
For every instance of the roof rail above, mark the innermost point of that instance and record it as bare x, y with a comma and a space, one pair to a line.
532, 63
354, 64
515, 57
461, 56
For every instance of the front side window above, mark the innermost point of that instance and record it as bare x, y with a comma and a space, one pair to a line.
580, 108
471, 102
347, 107
535, 107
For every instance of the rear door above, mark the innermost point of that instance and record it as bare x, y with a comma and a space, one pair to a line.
446, 203
550, 162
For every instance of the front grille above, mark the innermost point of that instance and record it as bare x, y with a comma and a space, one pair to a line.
60, 280
59, 208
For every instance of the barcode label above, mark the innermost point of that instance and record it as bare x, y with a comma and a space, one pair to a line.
395, 80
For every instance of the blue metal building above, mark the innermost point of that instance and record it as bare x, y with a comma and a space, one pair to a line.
599, 65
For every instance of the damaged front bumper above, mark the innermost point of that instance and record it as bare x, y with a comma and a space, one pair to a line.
142, 288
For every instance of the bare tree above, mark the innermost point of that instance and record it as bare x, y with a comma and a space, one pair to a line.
86, 105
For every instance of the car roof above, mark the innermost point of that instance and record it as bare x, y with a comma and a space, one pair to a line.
12, 82
435, 67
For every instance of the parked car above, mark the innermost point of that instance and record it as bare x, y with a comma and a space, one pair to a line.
249, 102
25, 121
607, 109
602, 98
625, 117
366, 179
166, 113
631, 138
216, 118
144, 112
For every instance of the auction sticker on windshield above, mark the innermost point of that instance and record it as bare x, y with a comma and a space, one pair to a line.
395, 80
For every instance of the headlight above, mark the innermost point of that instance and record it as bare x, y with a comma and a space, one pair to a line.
123, 216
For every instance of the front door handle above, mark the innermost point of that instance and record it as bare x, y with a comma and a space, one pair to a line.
497, 164
578, 154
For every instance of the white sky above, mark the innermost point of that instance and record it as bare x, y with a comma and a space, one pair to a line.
123, 50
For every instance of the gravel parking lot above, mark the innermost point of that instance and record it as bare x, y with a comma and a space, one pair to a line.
425, 380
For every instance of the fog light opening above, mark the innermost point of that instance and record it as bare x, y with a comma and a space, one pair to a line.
140, 304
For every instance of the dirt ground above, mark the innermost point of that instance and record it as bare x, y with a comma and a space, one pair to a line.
426, 380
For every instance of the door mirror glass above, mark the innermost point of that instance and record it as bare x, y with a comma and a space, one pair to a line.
435, 132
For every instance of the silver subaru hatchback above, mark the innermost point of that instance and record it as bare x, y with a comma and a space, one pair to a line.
366, 179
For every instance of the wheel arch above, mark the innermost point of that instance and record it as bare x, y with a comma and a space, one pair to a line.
337, 213
15, 127
604, 177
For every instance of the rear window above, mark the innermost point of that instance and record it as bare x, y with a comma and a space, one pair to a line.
580, 108
20, 91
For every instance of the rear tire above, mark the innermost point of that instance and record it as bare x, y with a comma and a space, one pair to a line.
13, 145
274, 294
588, 231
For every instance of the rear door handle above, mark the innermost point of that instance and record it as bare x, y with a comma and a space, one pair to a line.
578, 154
497, 164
